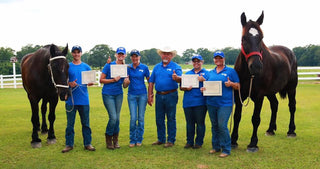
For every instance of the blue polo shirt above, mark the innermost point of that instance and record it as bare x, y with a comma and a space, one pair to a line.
226, 98
136, 77
162, 76
114, 88
194, 97
80, 92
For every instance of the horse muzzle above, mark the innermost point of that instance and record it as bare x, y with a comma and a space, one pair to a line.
64, 94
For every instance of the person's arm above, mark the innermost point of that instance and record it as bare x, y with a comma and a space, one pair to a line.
126, 82
175, 77
186, 88
106, 81
150, 94
234, 85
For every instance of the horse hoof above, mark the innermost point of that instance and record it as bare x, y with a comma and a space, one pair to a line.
294, 135
270, 133
252, 149
36, 145
44, 132
234, 146
51, 141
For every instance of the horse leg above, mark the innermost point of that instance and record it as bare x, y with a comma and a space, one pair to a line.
274, 109
237, 118
36, 141
52, 117
44, 127
292, 108
252, 147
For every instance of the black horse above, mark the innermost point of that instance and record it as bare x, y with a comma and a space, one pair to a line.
263, 72
45, 76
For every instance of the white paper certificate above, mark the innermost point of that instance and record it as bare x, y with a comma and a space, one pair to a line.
213, 88
118, 70
190, 80
88, 77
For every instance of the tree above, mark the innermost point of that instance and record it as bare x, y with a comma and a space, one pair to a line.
26, 50
5, 65
99, 54
206, 54
187, 55
150, 57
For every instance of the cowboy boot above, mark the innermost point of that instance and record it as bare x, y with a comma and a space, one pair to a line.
115, 140
109, 142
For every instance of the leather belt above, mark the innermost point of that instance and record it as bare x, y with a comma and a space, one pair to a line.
167, 92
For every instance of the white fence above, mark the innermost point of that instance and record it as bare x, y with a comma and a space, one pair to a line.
11, 81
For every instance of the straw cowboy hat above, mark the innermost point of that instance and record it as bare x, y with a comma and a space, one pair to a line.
167, 49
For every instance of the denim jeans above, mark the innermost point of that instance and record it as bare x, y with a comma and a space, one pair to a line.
137, 106
219, 117
166, 105
113, 105
195, 116
84, 116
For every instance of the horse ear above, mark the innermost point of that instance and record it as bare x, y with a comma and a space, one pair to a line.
243, 19
260, 19
65, 50
52, 50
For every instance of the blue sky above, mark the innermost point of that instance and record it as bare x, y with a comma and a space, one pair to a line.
145, 24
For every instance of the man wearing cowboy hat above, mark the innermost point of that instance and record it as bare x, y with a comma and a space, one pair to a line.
165, 76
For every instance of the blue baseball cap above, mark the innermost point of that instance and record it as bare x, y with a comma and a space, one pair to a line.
76, 47
218, 53
196, 57
135, 52
121, 50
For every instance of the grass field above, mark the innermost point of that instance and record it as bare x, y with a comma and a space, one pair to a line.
275, 152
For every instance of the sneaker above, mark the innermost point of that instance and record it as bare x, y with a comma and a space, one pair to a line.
89, 148
223, 155
168, 144
131, 145
67, 149
187, 146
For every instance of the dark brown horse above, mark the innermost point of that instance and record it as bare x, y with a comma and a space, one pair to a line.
268, 71
45, 76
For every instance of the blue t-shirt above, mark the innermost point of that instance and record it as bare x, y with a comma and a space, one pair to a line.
80, 92
162, 76
227, 95
136, 77
114, 88
194, 97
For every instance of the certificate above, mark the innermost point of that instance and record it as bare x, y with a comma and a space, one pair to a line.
213, 88
88, 77
118, 70
190, 80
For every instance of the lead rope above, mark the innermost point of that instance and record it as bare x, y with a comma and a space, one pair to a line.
250, 88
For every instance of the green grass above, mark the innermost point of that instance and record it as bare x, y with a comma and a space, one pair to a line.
275, 152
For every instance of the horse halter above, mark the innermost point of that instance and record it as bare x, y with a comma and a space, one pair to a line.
250, 54
51, 74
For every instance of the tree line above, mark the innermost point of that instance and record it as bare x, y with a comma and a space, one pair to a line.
306, 56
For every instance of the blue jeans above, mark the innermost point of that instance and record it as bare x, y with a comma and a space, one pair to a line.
113, 105
137, 106
166, 105
84, 116
219, 117
195, 115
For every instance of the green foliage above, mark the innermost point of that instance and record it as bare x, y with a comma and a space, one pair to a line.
99, 54
308, 55
275, 152
26, 50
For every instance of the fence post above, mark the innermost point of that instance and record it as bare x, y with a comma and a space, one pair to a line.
14, 75
1, 79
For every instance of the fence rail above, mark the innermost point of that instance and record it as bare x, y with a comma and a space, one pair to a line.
11, 81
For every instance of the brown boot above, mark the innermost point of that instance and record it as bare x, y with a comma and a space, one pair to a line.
115, 140
109, 142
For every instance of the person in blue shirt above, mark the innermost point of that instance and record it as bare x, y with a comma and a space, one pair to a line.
112, 96
137, 97
79, 101
194, 106
165, 76
220, 107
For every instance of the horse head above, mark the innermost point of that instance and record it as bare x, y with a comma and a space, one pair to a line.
251, 44
58, 68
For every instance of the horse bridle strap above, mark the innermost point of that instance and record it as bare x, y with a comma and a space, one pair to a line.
51, 74
250, 54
